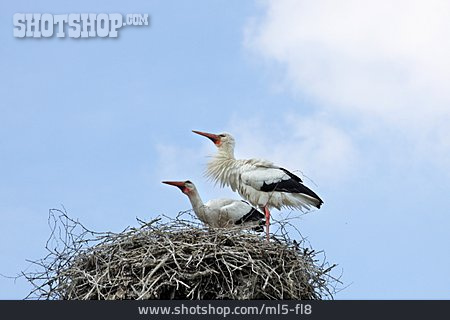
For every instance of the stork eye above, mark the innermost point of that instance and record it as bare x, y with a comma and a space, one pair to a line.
222, 135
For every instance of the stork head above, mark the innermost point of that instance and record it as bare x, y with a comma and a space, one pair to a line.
223, 141
185, 186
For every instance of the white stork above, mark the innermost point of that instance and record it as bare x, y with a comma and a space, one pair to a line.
260, 182
220, 213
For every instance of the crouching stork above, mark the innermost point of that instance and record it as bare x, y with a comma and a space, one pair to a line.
221, 213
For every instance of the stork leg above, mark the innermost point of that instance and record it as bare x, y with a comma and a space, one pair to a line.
267, 213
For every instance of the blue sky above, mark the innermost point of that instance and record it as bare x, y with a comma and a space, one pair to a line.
355, 97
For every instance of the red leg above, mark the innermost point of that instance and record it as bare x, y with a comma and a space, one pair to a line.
267, 213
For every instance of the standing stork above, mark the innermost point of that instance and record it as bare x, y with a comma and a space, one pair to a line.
260, 182
220, 213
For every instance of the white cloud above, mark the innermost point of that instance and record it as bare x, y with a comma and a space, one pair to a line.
383, 63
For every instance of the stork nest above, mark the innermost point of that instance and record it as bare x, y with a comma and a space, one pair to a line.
176, 259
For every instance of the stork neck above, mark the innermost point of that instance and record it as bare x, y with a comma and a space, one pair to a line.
197, 204
226, 153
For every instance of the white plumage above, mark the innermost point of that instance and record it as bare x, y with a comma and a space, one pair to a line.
220, 213
260, 182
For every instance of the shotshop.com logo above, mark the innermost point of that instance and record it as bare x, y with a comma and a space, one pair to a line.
74, 25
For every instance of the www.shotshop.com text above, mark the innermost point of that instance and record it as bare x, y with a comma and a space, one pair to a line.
280, 309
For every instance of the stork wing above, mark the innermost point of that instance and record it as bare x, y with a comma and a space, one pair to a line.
241, 211
269, 179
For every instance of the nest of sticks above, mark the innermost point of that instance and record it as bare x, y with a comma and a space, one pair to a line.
176, 258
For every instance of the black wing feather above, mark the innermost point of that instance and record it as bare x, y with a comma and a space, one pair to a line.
252, 215
292, 185
290, 174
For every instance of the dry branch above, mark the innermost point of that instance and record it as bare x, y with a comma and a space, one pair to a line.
175, 259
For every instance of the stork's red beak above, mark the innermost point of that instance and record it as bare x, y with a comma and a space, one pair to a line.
213, 137
179, 184
175, 183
